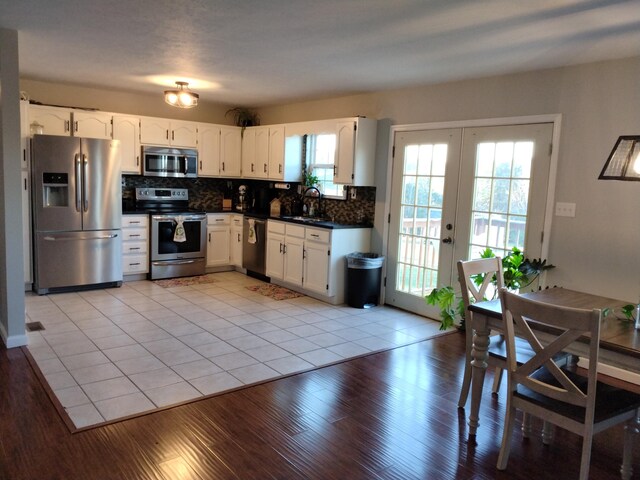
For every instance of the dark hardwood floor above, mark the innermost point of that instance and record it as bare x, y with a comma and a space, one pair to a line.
390, 415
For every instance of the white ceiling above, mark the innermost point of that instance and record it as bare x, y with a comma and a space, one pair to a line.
262, 52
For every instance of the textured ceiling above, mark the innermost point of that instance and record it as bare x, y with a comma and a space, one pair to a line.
262, 52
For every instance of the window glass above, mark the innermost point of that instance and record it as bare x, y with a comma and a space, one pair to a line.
321, 150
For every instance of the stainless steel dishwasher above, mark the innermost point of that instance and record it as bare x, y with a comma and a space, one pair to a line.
254, 245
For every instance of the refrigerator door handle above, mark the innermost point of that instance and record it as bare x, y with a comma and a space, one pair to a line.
62, 238
85, 182
78, 182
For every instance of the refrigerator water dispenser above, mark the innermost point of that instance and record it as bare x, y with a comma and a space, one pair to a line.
55, 189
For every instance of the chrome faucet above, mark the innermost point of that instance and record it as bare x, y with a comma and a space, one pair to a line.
305, 195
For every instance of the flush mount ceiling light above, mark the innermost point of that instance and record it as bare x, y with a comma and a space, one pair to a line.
624, 160
181, 97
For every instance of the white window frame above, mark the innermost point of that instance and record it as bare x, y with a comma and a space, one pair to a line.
327, 166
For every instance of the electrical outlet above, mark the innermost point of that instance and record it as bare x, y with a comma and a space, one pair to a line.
565, 209
352, 193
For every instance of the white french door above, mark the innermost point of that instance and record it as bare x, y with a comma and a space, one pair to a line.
456, 192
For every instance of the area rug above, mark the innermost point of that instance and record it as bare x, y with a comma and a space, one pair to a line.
275, 292
185, 281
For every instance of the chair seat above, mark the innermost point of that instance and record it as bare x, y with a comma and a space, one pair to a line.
610, 401
498, 349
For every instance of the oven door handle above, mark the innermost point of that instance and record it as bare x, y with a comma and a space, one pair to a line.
175, 262
186, 218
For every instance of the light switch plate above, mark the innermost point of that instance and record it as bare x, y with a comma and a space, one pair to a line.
564, 209
352, 192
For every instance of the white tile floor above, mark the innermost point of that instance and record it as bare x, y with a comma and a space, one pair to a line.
122, 351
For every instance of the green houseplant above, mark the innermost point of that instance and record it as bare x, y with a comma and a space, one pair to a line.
519, 272
244, 117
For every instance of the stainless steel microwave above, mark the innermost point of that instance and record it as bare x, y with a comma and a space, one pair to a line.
169, 162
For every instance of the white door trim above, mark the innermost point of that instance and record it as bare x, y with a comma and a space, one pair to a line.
554, 118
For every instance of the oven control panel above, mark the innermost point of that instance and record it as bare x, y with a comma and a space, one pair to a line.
162, 194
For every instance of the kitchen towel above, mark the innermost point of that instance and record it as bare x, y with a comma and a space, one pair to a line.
179, 235
252, 231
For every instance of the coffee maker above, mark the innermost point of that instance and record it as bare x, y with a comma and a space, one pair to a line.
242, 204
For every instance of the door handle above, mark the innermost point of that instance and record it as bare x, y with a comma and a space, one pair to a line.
447, 240
78, 182
85, 177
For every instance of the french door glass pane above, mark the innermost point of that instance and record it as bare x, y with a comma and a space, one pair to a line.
500, 197
421, 217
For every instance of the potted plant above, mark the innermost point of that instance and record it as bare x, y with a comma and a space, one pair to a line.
519, 272
310, 180
244, 117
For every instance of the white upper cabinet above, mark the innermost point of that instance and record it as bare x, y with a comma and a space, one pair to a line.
208, 150
24, 134
355, 152
161, 131
277, 167
230, 151
50, 120
92, 124
263, 155
67, 122
184, 134
126, 129
255, 152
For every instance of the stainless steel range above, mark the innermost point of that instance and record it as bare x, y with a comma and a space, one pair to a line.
178, 234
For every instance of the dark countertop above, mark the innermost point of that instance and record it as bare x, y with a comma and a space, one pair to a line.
328, 224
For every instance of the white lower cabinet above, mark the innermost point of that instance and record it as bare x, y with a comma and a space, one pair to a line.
135, 244
312, 260
26, 228
218, 231
317, 251
235, 241
285, 252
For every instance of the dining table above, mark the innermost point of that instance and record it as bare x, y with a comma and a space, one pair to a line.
619, 340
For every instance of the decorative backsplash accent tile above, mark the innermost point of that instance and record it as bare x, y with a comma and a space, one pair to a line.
207, 194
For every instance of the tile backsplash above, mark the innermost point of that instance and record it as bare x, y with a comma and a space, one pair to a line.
207, 194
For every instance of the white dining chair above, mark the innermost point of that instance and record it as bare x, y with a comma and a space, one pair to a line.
477, 279
542, 388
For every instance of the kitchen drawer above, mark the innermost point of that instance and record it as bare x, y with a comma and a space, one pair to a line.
236, 220
218, 219
134, 234
317, 235
294, 230
275, 227
134, 264
134, 247
134, 221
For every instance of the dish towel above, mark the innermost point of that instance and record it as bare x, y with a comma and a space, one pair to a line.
252, 231
179, 235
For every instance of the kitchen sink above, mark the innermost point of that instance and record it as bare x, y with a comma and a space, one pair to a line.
305, 219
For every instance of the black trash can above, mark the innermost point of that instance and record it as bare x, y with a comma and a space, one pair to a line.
364, 273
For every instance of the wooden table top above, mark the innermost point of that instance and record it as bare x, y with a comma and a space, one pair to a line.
615, 334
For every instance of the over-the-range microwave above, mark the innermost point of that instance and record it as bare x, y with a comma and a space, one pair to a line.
169, 162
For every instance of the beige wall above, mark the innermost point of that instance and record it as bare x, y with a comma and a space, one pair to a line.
121, 102
598, 250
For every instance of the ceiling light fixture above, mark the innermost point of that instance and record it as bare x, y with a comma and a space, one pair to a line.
181, 97
624, 160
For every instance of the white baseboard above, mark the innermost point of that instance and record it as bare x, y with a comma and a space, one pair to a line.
612, 371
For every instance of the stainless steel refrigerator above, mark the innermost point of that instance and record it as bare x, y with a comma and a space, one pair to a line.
77, 213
